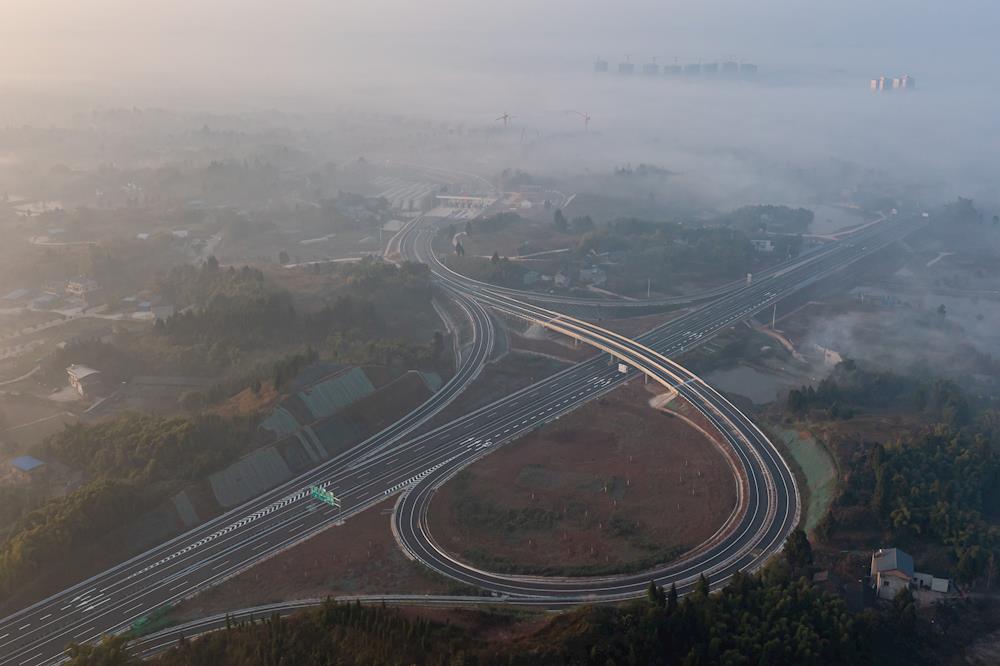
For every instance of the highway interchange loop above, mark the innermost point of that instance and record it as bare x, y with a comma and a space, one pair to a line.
409, 457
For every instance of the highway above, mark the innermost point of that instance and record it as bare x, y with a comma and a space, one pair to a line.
390, 462
771, 507
228, 544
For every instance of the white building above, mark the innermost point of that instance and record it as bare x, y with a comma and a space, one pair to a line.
86, 381
892, 571
82, 287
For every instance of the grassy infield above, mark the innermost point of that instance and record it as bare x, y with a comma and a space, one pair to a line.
819, 470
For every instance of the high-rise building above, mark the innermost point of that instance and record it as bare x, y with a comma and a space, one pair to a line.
884, 83
600, 65
626, 68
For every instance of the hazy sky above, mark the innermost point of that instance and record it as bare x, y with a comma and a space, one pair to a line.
466, 61
237, 42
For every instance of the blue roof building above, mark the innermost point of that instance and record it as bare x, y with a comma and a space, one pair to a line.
26, 467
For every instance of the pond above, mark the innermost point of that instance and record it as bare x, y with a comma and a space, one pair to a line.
760, 387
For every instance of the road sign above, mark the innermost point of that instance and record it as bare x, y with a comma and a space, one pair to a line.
324, 495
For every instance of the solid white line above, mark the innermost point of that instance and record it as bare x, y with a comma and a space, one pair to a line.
181, 584
262, 544
45, 617
24, 627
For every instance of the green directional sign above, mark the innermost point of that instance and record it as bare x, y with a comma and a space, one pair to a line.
324, 495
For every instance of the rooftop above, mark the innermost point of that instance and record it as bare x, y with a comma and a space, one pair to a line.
81, 371
26, 463
892, 559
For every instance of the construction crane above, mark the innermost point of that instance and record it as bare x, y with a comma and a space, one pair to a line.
586, 119
506, 118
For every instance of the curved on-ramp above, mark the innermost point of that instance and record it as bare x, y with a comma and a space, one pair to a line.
770, 508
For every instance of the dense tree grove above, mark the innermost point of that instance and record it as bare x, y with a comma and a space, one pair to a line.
769, 218
129, 461
850, 386
765, 618
230, 312
936, 484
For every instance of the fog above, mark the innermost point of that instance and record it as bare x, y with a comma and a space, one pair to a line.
463, 64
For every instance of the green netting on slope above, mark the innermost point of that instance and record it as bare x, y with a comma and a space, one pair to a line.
280, 422
326, 398
433, 380
336, 433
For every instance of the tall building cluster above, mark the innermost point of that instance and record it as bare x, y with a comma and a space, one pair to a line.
728, 69
904, 82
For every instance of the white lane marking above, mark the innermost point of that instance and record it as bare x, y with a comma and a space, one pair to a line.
5, 636
24, 627
45, 617
262, 544
134, 608
95, 605
294, 528
178, 586
219, 566
85, 632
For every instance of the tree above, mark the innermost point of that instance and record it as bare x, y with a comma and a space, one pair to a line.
797, 550
111, 651
942, 310
437, 345
468, 228
459, 248
702, 587
212, 264
495, 258
996, 220
283, 258
651, 593
559, 220
672, 598
904, 610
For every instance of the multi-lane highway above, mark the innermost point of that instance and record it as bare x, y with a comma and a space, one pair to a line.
391, 462
771, 503
226, 545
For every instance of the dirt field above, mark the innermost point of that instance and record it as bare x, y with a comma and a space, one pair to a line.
359, 557
614, 486
635, 326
